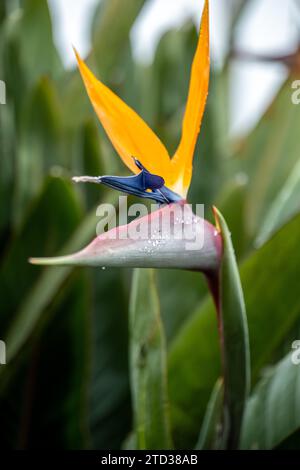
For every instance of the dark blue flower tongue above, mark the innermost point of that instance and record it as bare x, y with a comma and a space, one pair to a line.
145, 184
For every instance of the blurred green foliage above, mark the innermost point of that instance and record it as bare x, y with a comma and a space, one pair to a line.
67, 383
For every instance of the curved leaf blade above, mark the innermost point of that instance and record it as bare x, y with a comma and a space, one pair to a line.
208, 438
273, 411
148, 365
234, 338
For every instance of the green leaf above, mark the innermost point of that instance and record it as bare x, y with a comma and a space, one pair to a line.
87, 159
112, 35
7, 163
196, 346
233, 330
2, 12
39, 146
284, 206
53, 216
208, 164
209, 435
44, 286
108, 341
12, 67
28, 49
168, 88
110, 404
231, 203
148, 365
27, 378
175, 307
193, 368
45, 405
269, 155
273, 411
76, 106
39, 55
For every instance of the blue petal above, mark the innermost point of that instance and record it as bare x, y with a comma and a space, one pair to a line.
145, 184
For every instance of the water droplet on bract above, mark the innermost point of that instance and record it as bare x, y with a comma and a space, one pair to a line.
103, 268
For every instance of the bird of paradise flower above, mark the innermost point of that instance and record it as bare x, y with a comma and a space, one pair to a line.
157, 176
167, 181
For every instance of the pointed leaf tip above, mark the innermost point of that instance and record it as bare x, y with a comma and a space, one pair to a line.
55, 261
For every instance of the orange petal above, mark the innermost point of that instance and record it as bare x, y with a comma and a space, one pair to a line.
198, 90
129, 134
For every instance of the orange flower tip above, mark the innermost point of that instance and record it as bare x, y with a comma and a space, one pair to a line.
217, 218
195, 107
80, 61
76, 53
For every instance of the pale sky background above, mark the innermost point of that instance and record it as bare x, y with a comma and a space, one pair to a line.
268, 26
